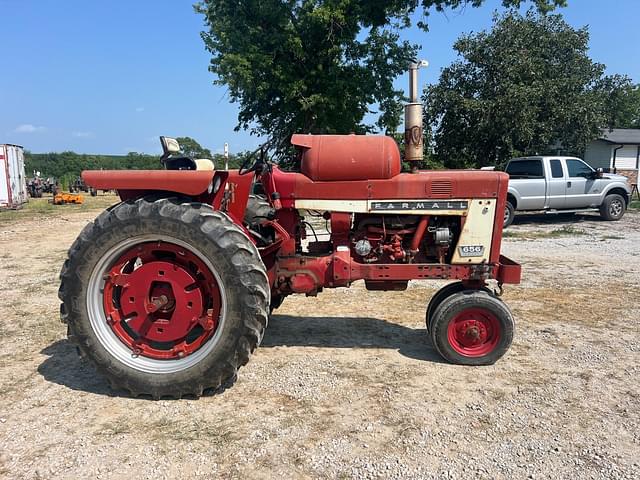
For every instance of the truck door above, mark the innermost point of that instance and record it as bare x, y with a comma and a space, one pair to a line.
582, 188
527, 176
556, 184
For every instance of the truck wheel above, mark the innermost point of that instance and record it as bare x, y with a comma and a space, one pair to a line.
509, 214
443, 293
166, 298
613, 207
472, 328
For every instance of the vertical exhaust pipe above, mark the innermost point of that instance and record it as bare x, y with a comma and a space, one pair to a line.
413, 144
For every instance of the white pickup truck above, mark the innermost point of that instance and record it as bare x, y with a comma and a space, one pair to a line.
564, 184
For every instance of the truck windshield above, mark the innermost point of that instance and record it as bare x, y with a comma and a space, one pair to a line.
525, 169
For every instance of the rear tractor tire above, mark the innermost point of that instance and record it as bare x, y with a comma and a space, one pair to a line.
166, 298
472, 327
613, 207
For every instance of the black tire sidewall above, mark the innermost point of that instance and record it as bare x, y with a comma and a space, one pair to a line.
604, 209
512, 213
439, 297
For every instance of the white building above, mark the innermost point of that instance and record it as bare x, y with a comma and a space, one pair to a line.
617, 149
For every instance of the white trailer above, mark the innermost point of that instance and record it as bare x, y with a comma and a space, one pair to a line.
13, 184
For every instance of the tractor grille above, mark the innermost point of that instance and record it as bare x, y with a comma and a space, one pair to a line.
441, 188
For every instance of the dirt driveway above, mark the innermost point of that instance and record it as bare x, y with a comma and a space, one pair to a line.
346, 385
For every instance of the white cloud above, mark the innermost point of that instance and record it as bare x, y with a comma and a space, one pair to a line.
139, 109
83, 134
28, 128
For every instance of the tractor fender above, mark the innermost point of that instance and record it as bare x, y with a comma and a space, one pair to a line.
187, 182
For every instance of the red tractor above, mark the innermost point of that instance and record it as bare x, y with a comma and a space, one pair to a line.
169, 292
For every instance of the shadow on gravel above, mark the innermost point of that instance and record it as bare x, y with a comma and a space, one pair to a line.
555, 218
65, 367
359, 332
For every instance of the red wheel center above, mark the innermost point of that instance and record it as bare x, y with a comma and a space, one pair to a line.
161, 300
474, 332
150, 290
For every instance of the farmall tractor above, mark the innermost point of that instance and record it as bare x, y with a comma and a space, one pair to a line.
169, 291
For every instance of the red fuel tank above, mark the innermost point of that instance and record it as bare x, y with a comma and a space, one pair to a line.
348, 157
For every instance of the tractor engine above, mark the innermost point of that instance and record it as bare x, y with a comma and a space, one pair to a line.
403, 238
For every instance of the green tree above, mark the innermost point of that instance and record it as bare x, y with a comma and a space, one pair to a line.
193, 149
315, 66
621, 101
525, 86
68, 165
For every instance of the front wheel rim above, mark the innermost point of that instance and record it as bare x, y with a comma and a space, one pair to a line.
615, 208
156, 304
474, 332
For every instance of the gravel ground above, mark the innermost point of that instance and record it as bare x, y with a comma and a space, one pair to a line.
347, 385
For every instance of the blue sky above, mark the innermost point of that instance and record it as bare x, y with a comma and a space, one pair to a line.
110, 76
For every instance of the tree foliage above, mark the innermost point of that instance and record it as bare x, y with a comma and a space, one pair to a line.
193, 149
525, 86
67, 166
621, 101
315, 66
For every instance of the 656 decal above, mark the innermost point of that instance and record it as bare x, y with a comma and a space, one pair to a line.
471, 250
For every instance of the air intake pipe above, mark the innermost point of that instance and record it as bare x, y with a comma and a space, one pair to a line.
413, 142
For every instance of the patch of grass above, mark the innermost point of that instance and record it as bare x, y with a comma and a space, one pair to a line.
611, 237
635, 204
117, 427
565, 231
166, 428
40, 207
512, 234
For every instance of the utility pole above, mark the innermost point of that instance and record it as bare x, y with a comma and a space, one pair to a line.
226, 156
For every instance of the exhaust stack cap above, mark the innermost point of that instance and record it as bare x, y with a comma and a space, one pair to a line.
414, 147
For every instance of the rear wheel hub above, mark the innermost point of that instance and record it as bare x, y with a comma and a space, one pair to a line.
161, 300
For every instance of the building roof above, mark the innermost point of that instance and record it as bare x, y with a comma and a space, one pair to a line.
621, 136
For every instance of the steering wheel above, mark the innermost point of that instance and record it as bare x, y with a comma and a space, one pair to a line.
249, 164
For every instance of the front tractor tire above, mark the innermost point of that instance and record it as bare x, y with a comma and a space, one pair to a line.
472, 327
444, 293
166, 298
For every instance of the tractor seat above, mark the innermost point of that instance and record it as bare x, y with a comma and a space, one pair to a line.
326, 158
188, 163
